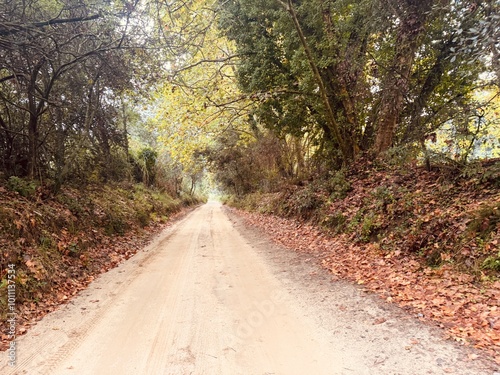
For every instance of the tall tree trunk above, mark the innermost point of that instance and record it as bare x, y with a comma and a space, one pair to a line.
395, 86
35, 110
125, 125
32, 129
344, 146
344, 80
8, 163
32, 145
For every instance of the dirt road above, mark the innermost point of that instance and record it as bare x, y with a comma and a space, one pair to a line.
212, 297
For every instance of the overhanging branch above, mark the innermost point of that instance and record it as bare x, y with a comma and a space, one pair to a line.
14, 29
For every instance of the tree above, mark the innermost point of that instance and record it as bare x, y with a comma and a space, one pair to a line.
332, 121
200, 100
412, 18
63, 67
308, 87
381, 72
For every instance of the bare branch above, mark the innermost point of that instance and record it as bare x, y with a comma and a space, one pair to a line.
16, 28
207, 61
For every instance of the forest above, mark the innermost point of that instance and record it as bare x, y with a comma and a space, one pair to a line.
378, 120
97, 91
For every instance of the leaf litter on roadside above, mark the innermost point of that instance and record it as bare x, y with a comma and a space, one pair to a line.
469, 312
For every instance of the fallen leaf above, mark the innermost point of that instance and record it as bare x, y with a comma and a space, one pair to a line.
379, 321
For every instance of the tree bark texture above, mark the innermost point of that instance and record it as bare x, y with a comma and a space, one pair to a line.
395, 87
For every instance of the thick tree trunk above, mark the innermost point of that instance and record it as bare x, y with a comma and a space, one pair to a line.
344, 75
395, 86
345, 148
392, 103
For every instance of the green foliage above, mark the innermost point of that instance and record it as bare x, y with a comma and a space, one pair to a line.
338, 185
115, 167
79, 206
245, 167
358, 45
492, 263
354, 222
335, 221
21, 186
145, 165
115, 224
403, 154
304, 203
81, 79
383, 195
477, 172
46, 241
369, 226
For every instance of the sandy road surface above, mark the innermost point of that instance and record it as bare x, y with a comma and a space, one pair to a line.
211, 297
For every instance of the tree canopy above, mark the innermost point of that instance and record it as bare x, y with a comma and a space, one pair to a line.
391, 69
69, 72
316, 84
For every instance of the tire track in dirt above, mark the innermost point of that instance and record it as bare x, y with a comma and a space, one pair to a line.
209, 297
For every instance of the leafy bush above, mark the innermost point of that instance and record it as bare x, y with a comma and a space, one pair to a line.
403, 154
492, 263
303, 202
481, 172
25, 188
335, 221
115, 225
143, 218
338, 186
369, 227
383, 196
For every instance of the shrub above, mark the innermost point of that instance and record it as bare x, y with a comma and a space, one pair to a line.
24, 188
335, 221
338, 186
492, 263
369, 227
143, 218
115, 224
304, 202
